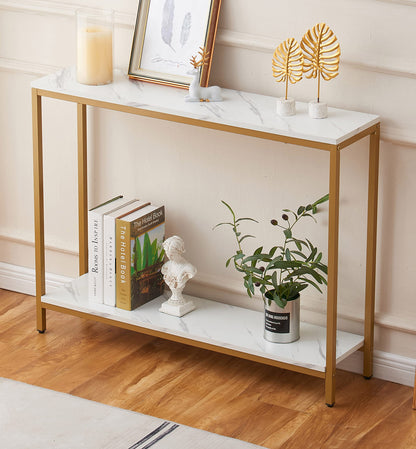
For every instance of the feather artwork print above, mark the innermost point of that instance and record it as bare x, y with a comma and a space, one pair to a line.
167, 22
186, 28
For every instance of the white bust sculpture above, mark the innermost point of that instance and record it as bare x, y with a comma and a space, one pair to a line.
176, 272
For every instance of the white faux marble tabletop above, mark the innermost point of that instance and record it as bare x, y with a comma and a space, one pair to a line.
239, 109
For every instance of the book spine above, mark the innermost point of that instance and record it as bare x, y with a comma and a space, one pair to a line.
95, 257
109, 261
123, 256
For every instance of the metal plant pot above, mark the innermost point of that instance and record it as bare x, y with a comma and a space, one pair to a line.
282, 325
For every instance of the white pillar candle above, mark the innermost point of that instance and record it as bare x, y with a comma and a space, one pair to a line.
95, 47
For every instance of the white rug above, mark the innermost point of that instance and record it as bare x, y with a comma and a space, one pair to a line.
36, 418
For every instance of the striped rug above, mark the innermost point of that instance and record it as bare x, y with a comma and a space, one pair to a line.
36, 418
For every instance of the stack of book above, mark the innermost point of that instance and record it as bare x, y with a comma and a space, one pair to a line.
125, 252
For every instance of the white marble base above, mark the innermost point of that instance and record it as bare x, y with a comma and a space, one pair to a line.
286, 107
219, 325
239, 109
178, 309
318, 110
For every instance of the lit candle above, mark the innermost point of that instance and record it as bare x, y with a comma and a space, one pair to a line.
95, 47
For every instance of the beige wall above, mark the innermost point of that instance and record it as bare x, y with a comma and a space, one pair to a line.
190, 170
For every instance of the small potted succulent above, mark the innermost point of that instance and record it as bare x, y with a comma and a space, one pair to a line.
282, 272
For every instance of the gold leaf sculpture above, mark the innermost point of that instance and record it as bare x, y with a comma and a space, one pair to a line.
287, 64
321, 52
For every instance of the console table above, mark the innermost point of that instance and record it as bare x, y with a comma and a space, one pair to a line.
214, 325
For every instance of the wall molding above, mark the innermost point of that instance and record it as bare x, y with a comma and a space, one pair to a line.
31, 244
387, 366
224, 37
400, 2
314, 305
44, 7
47, 8
267, 45
397, 137
26, 67
384, 320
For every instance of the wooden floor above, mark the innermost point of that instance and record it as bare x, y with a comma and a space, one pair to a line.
229, 396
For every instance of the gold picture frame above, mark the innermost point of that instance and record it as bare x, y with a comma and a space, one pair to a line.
167, 34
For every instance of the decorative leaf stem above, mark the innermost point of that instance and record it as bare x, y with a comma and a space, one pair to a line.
321, 52
287, 63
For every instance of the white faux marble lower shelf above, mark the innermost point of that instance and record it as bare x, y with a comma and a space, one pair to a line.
216, 324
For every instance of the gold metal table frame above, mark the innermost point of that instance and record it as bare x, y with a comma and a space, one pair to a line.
333, 228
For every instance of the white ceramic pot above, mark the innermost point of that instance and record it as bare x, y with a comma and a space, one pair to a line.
282, 325
318, 110
285, 107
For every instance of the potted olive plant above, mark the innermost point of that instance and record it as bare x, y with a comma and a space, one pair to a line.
281, 273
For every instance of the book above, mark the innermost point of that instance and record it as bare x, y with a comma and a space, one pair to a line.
109, 232
95, 247
139, 257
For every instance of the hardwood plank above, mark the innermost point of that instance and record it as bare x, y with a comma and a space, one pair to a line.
252, 421
10, 300
215, 392
361, 405
139, 381
414, 395
300, 391
14, 359
399, 433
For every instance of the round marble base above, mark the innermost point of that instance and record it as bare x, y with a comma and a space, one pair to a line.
285, 107
177, 309
318, 110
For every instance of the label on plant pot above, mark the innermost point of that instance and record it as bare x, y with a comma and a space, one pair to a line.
277, 322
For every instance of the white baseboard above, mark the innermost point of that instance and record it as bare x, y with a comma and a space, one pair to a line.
22, 279
387, 366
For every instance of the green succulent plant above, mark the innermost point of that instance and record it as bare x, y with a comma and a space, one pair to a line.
285, 270
145, 255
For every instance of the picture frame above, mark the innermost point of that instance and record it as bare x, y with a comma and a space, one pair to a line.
167, 34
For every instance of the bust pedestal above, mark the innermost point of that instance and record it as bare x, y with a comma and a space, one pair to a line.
177, 308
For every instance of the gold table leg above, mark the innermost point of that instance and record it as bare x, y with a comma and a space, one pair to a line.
370, 282
331, 327
39, 208
82, 188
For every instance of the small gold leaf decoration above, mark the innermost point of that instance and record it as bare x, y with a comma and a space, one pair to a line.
321, 52
287, 63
